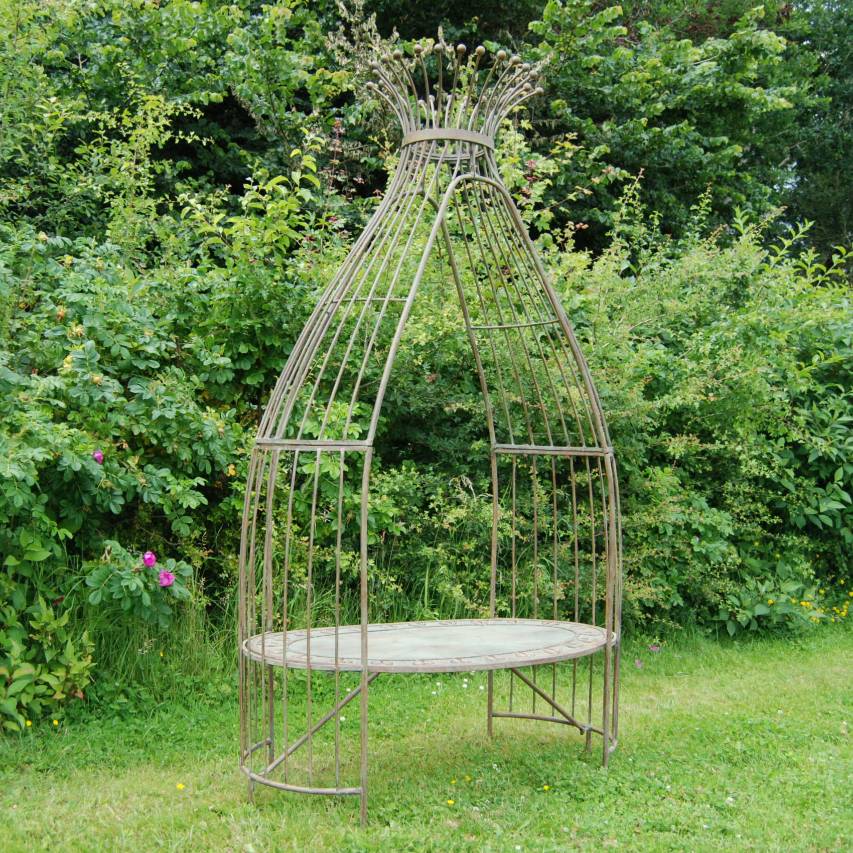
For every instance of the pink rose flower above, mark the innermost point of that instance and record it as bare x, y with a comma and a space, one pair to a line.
98, 456
149, 558
166, 578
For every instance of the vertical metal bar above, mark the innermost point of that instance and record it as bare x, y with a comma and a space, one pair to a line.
576, 546
309, 603
594, 574
268, 601
365, 486
338, 538
534, 476
618, 598
514, 565
555, 558
288, 539
612, 546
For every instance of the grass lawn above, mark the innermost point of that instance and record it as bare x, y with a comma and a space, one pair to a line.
722, 746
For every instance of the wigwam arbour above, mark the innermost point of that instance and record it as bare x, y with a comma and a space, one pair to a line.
554, 590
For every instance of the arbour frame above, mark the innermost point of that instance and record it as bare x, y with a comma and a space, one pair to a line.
555, 522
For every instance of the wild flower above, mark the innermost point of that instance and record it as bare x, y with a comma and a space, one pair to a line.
149, 558
166, 578
98, 456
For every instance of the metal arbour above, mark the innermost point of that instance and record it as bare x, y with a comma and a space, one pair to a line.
554, 566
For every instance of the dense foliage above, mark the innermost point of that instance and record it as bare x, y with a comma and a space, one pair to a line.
178, 180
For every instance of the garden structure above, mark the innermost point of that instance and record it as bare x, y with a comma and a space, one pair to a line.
551, 589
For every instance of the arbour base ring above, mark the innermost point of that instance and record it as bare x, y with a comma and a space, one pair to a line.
448, 238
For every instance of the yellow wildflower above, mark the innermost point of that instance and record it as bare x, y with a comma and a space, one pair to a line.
546, 787
29, 723
56, 722
180, 786
770, 601
451, 802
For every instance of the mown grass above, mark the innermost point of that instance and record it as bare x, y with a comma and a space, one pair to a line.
723, 746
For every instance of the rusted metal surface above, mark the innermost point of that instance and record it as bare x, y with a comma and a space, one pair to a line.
554, 565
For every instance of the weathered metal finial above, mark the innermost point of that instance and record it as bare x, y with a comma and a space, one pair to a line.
440, 86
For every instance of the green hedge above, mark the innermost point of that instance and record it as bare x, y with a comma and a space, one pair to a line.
149, 298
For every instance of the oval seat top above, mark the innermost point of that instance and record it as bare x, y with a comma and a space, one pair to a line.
449, 645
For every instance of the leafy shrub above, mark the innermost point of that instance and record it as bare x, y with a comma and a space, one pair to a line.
176, 186
120, 391
630, 94
90, 368
711, 356
42, 660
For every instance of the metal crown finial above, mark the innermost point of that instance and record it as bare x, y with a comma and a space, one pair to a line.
444, 87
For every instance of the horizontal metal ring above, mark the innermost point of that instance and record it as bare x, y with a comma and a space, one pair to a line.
452, 134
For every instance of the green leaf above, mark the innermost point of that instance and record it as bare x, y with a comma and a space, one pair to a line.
18, 686
36, 555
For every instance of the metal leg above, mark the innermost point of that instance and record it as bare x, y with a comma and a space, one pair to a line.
491, 705
583, 727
